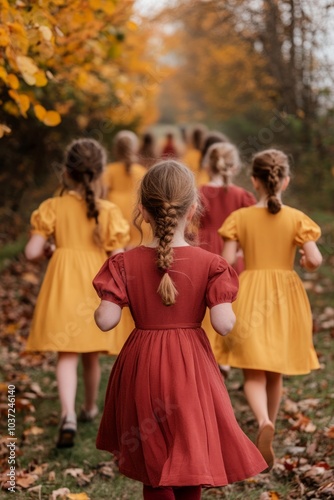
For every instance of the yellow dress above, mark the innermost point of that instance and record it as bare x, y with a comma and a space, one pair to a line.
273, 330
192, 159
64, 314
122, 190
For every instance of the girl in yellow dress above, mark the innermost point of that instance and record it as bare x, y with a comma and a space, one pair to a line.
273, 332
122, 178
192, 156
86, 230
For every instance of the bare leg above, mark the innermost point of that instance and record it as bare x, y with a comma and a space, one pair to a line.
262, 390
274, 394
91, 376
66, 372
255, 388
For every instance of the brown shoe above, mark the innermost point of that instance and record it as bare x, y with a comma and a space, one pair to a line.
264, 443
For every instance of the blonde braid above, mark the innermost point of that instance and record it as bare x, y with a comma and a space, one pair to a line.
167, 191
166, 223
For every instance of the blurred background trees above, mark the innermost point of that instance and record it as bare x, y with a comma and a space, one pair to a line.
67, 69
260, 71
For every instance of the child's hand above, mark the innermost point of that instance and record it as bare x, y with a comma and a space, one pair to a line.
48, 250
302, 260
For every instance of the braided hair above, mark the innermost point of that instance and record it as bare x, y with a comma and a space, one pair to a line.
126, 147
85, 160
271, 167
211, 138
167, 192
223, 159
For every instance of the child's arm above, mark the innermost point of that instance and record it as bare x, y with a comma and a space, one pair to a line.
230, 251
311, 257
35, 247
107, 315
222, 318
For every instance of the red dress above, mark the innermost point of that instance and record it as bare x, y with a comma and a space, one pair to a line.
167, 417
218, 203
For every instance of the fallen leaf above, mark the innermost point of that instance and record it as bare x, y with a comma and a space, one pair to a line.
36, 489
33, 431
61, 492
330, 432
78, 496
73, 472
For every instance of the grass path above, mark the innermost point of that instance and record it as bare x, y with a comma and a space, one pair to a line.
304, 441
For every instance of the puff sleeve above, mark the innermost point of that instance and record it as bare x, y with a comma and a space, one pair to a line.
223, 283
228, 231
307, 230
110, 281
43, 220
116, 228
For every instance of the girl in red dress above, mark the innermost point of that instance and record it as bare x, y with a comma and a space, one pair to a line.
219, 198
167, 418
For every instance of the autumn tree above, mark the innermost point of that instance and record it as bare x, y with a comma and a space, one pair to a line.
67, 68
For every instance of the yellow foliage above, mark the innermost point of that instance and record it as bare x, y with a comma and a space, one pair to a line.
131, 25
4, 130
105, 5
40, 79
22, 101
46, 33
77, 496
89, 50
52, 118
40, 112
4, 37
3, 74
13, 81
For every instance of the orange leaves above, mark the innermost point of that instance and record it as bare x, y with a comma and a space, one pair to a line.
4, 37
104, 5
49, 118
86, 52
27, 68
22, 101
330, 432
303, 423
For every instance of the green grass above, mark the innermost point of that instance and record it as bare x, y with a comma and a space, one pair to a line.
11, 250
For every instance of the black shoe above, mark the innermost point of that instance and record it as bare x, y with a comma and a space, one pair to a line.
67, 432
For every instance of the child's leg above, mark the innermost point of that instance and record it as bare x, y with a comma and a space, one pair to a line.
91, 376
274, 394
66, 373
255, 388
164, 493
188, 493
261, 392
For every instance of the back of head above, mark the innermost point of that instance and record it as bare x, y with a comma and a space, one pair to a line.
85, 160
212, 138
270, 167
126, 146
167, 192
222, 158
197, 136
148, 139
